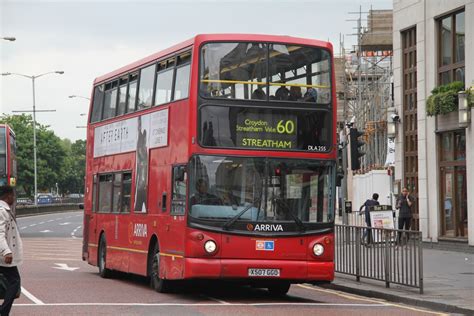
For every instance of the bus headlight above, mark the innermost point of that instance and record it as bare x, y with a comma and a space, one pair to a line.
318, 249
210, 246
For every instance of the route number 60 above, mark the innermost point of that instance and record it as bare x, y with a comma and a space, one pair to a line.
287, 127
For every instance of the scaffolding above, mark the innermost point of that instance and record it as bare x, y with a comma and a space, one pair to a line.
366, 84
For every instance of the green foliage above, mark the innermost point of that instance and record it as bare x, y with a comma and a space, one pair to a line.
444, 98
73, 169
58, 161
470, 96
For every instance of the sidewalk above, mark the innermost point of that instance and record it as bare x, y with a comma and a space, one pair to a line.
448, 284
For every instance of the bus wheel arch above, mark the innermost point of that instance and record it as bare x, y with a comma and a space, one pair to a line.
151, 248
158, 284
102, 257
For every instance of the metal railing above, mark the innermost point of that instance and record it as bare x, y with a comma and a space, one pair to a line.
389, 255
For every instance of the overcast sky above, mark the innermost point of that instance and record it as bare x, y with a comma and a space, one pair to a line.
87, 39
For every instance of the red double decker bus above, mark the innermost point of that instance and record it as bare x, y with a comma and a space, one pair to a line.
8, 168
215, 159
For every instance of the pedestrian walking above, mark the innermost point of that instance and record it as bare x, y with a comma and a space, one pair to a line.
369, 204
11, 249
404, 206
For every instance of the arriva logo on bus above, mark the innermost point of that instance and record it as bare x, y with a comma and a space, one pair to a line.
139, 230
268, 228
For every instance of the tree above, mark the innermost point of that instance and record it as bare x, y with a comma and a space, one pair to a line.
73, 171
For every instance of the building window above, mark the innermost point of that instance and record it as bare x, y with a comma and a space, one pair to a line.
453, 184
451, 48
410, 116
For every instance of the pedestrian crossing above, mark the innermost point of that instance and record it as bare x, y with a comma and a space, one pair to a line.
52, 249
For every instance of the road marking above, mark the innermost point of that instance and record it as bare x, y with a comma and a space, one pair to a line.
32, 225
204, 304
50, 259
216, 300
41, 223
413, 309
64, 266
51, 220
23, 227
46, 231
74, 232
383, 302
351, 297
31, 297
66, 223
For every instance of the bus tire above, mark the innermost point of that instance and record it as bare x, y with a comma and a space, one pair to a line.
279, 289
158, 284
102, 260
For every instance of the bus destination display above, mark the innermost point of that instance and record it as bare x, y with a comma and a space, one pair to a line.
266, 131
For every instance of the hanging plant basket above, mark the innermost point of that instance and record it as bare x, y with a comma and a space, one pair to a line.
444, 99
470, 97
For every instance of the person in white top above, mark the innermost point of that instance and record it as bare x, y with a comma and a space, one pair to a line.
11, 249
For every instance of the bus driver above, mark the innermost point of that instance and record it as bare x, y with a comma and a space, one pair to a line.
202, 196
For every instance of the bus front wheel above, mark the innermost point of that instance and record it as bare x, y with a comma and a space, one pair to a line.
279, 289
103, 271
158, 284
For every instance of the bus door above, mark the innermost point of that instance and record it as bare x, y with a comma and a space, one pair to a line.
90, 241
177, 219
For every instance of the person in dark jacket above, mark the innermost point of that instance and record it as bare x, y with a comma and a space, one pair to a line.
369, 204
404, 205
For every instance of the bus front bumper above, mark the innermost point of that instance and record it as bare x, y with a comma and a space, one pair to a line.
298, 271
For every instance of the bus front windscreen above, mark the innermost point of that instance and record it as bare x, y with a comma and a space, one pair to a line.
266, 71
235, 191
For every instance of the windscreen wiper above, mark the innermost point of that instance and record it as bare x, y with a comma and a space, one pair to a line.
295, 218
231, 221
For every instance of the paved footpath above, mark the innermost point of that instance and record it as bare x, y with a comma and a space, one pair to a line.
448, 284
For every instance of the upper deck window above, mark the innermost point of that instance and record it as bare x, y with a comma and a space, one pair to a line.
110, 100
132, 93
270, 72
97, 105
122, 99
145, 90
164, 82
181, 89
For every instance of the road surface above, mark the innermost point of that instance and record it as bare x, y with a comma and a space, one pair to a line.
55, 281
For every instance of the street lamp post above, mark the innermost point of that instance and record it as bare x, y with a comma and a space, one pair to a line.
33, 78
79, 96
